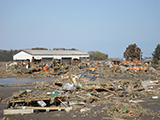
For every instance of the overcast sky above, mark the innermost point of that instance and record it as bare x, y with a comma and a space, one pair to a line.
108, 26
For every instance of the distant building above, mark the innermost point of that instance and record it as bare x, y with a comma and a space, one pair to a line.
148, 61
65, 56
116, 61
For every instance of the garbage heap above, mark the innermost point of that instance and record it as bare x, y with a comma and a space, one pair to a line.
37, 70
85, 90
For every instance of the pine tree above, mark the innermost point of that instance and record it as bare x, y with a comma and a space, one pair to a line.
156, 54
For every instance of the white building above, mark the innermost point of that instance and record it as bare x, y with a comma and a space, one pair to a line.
49, 55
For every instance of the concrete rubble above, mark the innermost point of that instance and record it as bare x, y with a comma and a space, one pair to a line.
88, 90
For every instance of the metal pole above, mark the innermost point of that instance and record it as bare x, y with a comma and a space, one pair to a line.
140, 56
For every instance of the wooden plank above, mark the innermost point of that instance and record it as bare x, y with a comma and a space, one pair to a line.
62, 102
43, 108
17, 111
155, 81
111, 91
108, 96
16, 101
108, 90
153, 85
103, 88
138, 89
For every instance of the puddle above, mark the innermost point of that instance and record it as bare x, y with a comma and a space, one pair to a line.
6, 81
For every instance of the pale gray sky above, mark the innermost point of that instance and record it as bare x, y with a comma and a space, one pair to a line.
108, 26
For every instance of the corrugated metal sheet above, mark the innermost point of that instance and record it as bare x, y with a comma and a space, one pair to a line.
55, 52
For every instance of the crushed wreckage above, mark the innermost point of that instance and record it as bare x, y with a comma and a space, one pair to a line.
80, 89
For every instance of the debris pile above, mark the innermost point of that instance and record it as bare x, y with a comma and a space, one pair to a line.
36, 70
85, 89
125, 110
112, 89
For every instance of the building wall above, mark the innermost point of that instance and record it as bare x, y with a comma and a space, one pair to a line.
60, 56
22, 56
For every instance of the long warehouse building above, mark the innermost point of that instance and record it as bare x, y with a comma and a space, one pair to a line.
65, 56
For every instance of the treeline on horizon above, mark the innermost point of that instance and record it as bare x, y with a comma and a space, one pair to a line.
7, 55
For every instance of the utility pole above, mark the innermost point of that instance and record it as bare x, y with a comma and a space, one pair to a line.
140, 56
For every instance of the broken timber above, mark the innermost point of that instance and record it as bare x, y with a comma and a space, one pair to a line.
42, 108
17, 111
153, 85
102, 88
63, 103
16, 101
